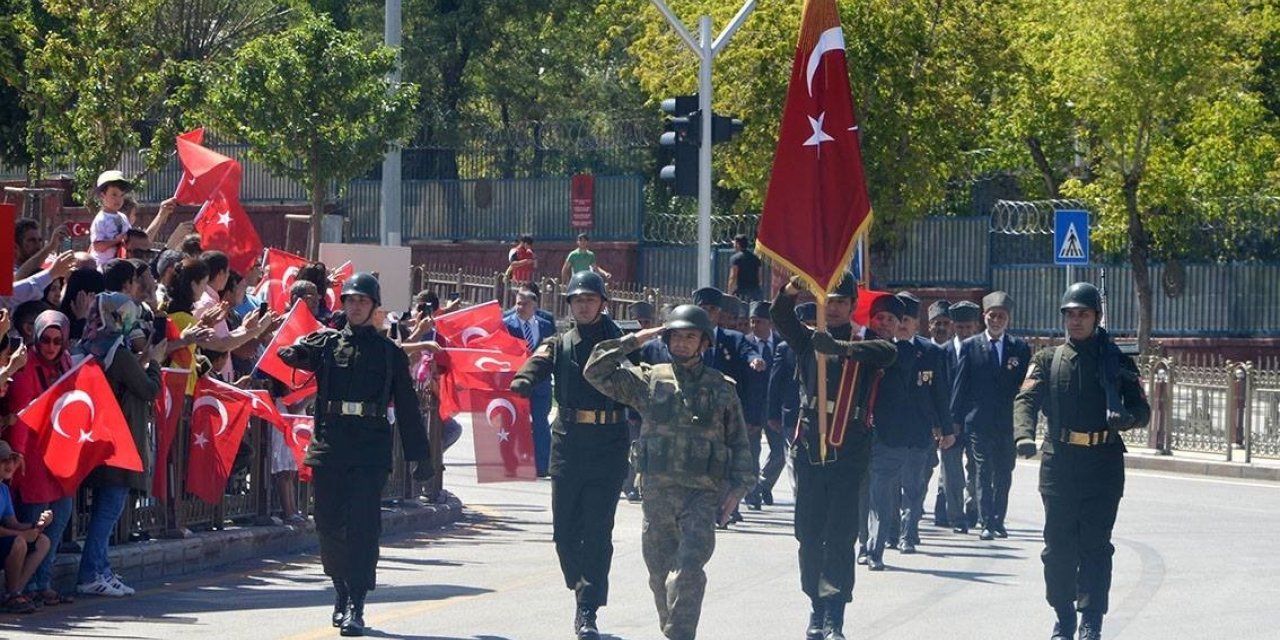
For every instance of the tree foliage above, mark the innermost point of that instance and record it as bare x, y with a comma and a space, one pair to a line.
314, 104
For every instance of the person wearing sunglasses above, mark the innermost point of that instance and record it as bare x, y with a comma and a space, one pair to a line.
35, 488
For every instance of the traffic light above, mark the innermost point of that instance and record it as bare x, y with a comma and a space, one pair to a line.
681, 134
724, 128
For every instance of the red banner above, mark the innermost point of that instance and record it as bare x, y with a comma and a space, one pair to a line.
817, 203
502, 429
582, 202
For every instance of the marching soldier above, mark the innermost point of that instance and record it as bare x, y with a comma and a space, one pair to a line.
992, 365
693, 441
644, 315
1089, 392
829, 467
359, 373
589, 443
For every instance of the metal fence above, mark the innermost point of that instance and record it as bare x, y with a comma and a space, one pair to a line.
496, 209
942, 252
1213, 300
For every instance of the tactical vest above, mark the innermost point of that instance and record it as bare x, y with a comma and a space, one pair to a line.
697, 450
572, 390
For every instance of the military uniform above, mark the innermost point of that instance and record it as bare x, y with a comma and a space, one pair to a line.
693, 441
589, 444
359, 373
826, 515
1089, 392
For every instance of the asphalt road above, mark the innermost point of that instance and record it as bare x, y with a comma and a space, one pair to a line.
1195, 558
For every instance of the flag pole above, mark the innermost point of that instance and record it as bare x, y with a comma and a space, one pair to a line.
823, 427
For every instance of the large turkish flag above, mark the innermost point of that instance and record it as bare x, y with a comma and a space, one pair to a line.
817, 204
77, 424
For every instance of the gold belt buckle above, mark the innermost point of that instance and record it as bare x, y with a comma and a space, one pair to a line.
352, 408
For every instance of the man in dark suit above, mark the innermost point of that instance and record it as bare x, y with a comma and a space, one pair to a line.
962, 496
991, 368
756, 411
730, 353
527, 324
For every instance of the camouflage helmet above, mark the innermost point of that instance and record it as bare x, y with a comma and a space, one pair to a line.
585, 282
1082, 295
363, 284
688, 316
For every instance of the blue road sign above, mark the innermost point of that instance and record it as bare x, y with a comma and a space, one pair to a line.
1071, 237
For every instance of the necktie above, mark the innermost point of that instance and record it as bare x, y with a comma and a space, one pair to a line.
527, 327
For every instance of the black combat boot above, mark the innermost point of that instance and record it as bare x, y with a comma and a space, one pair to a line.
817, 620
1090, 625
584, 623
342, 598
353, 624
833, 620
1065, 627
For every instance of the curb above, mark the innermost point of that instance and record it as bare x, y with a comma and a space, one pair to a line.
1215, 469
153, 560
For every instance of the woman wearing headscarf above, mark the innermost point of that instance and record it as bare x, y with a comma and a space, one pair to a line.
112, 328
35, 488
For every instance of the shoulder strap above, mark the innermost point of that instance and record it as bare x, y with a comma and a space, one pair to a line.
1054, 402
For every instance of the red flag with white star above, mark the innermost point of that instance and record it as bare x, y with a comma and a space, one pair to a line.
502, 428
297, 325
224, 225
463, 327
473, 369
817, 204
279, 271
76, 425
219, 417
297, 431
173, 392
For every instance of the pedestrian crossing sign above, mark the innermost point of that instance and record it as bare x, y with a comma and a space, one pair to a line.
1071, 237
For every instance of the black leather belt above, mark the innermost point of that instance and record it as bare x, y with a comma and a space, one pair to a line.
361, 409
1085, 438
592, 416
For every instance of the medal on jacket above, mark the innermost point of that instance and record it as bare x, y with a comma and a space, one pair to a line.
1012, 364
925, 377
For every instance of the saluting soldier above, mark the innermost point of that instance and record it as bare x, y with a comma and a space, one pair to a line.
644, 314
828, 471
693, 441
589, 443
1089, 393
992, 366
359, 373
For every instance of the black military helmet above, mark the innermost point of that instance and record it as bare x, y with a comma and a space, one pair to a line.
1082, 295
688, 316
585, 282
848, 287
642, 311
363, 284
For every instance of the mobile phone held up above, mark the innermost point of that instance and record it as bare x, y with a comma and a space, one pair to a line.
159, 329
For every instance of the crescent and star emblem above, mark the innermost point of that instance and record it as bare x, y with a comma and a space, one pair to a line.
67, 399
492, 364
473, 333
501, 404
216, 404
301, 425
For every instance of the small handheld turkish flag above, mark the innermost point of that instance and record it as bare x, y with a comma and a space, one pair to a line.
473, 369
297, 325
224, 225
279, 271
219, 417
460, 328
78, 426
204, 172
502, 429
297, 431
173, 392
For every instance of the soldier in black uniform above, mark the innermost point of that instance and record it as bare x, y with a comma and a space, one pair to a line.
360, 373
1089, 393
589, 444
829, 471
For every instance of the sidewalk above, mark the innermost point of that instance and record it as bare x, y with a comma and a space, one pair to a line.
1204, 464
150, 561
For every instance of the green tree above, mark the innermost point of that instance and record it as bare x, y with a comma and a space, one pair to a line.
920, 72
88, 81
315, 105
1144, 81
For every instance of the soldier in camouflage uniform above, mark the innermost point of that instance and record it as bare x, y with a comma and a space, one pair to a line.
692, 446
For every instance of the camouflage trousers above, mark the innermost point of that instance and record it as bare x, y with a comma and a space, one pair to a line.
677, 540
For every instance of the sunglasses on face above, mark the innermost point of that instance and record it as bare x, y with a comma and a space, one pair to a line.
52, 340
